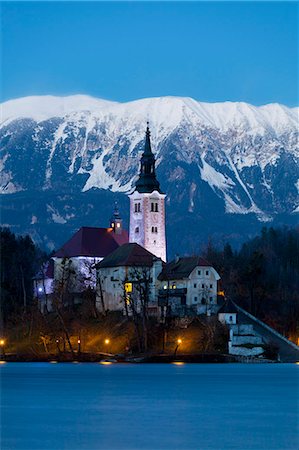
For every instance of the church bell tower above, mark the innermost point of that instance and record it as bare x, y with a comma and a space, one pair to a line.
116, 222
147, 206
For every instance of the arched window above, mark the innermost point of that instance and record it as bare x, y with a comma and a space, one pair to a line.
137, 230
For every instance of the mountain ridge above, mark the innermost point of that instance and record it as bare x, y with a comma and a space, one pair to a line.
224, 159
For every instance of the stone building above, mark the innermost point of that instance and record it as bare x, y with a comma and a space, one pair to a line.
125, 276
189, 286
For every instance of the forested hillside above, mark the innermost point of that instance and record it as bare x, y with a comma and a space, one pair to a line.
263, 277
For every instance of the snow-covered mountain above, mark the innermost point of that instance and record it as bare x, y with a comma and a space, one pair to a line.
222, 163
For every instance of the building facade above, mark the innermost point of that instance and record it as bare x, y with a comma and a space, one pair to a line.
126, 278
189, 286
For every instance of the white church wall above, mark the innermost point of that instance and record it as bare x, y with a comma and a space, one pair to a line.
147, 227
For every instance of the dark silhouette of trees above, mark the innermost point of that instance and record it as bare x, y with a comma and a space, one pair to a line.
263, 276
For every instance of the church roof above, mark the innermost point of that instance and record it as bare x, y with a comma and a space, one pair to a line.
147, 181
182, 267
228, 307
92, 242
128, 255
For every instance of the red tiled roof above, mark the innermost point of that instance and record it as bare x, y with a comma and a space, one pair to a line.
128, 255
182, 267
93, 242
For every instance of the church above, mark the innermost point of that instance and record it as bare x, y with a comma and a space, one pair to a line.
117, 265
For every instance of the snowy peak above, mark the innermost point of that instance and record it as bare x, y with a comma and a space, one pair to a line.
40, 108
235, 156
163, 112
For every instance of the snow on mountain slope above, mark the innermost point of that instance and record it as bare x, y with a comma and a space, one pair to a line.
243, 156
161, 110
45, 107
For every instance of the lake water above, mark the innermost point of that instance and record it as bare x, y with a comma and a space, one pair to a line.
151, 406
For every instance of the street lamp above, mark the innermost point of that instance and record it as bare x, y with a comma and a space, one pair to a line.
179, 341
79, 345
2, 344
107, 342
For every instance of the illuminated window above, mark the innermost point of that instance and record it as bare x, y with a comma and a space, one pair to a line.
118, 225
128, 287
174, 286
165, 286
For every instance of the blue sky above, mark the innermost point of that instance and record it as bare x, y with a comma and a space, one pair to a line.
210, 51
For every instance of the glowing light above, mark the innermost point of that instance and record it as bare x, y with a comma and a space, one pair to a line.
79, 341
75, 362
2, 362
179, 341
106, 363
107, 341
128, 287
2, 342
40, 289
297, 363
118, 225
53, 362
178, 363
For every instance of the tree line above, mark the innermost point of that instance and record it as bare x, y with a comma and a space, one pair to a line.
263, 276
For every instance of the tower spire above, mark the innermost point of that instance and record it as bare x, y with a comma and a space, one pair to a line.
147, 181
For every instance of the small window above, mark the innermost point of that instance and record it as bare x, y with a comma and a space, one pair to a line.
156, 230
153, 229
195, 285
211, 299
211, 286
199, 272
137, 230
207, 272
230, 318
195, 299
203, 301
202, 286
128, 287
154, 207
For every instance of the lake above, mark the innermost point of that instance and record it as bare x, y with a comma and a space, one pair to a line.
48, 406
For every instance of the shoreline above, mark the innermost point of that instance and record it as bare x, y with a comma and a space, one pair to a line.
200, 358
